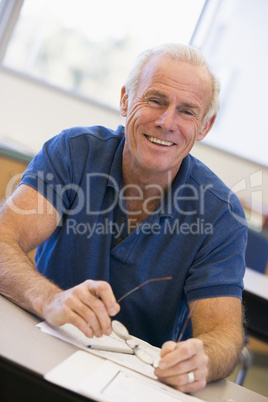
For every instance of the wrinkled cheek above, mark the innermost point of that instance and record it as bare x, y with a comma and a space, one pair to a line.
131, 130
190, 137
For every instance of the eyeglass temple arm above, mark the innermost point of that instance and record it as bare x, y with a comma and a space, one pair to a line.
167, 278
187, 320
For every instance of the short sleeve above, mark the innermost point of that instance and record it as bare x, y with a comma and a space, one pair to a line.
50, 173
219, 266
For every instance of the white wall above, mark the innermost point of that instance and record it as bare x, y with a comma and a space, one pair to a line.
32, 113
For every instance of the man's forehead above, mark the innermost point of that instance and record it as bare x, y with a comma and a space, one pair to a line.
153, 64
167, 65
162, 68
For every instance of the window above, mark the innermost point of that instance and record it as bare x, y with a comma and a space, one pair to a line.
233, 36
87, 47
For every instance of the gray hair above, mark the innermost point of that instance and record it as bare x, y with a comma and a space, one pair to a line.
179, 52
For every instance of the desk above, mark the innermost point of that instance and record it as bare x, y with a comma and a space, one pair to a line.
255, 298
26, 351
256, 283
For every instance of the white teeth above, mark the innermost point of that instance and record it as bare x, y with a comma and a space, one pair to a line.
157, 141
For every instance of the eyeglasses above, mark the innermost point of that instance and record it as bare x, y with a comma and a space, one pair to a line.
121, 331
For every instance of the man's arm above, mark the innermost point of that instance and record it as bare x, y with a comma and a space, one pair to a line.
213, 351
26, 220
222, 333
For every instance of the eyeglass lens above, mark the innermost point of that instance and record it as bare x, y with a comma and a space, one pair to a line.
121, 331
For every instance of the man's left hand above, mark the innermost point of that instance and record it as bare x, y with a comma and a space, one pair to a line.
183, 365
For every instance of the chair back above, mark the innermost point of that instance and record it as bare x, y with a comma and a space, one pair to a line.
256, 251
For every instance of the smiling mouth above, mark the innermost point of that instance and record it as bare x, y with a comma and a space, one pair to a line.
159, 142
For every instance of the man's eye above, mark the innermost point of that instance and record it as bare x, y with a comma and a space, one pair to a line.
188, 112
155, 101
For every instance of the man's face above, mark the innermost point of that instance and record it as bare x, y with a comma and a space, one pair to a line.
166, 114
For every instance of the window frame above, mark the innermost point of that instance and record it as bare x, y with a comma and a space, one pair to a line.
9, 14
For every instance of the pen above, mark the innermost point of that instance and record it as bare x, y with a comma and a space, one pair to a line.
116, 349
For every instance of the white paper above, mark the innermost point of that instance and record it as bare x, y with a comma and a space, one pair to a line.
115, 383
73, 335
106, 381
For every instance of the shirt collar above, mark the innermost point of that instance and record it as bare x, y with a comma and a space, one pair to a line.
115, 176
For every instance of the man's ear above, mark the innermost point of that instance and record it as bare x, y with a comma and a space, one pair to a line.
123, 102
206, 128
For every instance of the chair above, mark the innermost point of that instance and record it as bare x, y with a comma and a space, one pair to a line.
256, 251
256, 324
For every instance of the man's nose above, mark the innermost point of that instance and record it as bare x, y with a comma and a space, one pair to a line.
167, 119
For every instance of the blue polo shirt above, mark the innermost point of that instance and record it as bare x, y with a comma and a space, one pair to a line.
197, 234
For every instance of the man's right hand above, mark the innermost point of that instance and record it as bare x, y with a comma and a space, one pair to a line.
24, 225
88, 306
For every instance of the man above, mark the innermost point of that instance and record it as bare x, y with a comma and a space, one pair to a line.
112, 209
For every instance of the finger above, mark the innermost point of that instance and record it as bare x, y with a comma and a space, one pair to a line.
74, 306
103, 303
81, 324
186, 387
79, 312
193, 387
182, 383
98, 317
167, 347
92, 320
91, 308
103, 291
61, 310
181, 351
196, 363
81, 306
